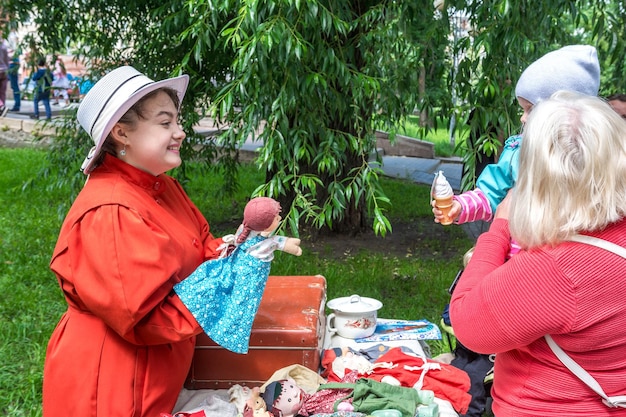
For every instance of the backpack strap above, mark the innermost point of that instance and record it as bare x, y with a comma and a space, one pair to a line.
601, 243
611, 402
575, 368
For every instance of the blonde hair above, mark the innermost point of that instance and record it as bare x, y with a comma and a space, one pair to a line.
572, 171
468, 256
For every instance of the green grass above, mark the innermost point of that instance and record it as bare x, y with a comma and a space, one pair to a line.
410, 286
31, 300
440, 137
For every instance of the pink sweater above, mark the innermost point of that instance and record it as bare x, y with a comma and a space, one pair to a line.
575, 292
475, 207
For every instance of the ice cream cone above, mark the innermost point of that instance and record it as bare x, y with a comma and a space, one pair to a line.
444, 204
442, 192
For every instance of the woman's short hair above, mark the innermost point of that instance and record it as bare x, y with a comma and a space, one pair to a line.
572, 172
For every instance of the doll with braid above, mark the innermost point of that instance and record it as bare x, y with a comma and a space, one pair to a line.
261, 217
224, 294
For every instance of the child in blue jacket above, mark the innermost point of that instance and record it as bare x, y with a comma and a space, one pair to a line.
572, 68
43, 82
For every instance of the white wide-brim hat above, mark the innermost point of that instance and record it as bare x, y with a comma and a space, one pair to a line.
111, 97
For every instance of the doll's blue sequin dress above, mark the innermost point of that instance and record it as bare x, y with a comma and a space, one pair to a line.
224, 294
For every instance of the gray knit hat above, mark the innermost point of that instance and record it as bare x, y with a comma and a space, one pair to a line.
572, 68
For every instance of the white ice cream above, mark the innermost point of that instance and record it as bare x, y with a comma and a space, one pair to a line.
441, 187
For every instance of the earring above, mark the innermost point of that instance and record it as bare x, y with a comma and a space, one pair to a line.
123, 151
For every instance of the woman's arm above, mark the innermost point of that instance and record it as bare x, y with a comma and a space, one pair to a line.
499, 305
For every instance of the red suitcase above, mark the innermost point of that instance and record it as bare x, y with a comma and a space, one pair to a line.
288, 329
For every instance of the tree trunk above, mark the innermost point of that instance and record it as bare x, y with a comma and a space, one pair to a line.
424, 120
354, 220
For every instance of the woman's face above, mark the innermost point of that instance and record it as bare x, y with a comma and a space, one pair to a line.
153, 143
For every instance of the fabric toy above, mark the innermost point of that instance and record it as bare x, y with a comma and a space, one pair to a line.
239, 395
255, 405
284, 398
224, 294
262, 217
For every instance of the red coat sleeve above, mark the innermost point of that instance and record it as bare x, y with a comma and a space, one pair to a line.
123, 269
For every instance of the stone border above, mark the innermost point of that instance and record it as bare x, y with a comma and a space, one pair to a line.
16, 132
35, 127
404, 146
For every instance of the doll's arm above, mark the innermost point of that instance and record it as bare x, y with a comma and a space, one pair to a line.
286, 244
227, 246
290, 245
264, 250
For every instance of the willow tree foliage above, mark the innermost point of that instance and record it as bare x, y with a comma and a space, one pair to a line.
152, 36
321, 77
506, 37
313, 80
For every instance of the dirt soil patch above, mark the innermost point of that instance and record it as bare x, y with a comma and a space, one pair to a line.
422, 238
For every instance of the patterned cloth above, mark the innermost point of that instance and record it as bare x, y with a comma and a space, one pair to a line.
224, 294
323, 401
474, 206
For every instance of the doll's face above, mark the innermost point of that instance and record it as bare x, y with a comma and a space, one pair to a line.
259, 404
291, 399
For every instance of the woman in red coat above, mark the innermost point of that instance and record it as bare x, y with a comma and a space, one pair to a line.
125, 344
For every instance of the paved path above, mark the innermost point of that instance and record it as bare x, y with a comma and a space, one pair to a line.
420, 170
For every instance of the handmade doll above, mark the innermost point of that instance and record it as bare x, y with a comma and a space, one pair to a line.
261, 217
284, 398
224, 294
255, 405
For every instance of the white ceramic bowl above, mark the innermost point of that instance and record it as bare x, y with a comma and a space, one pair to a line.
353, 317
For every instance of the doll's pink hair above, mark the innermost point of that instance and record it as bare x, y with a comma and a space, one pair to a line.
258, 215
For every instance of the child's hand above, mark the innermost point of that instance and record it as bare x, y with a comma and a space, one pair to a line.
455, 211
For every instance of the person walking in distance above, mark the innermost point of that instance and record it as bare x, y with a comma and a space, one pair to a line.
14, 70
43, 82
4, 73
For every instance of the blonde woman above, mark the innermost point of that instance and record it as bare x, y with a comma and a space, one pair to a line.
571, 181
